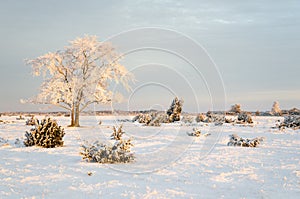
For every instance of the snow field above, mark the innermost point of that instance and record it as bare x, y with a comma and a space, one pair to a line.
169, 163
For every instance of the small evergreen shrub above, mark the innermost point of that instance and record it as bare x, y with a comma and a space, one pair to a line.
211, 118
175, 110
244, 118
46, 134
119, 152
143, 118
235, 140
197, 133
155, 118
117, 133
291, 121
32, 121
229, 120
200, 118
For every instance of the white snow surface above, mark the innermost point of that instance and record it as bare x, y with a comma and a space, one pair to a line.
168, 163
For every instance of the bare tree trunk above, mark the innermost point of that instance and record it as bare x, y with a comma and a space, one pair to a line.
72, 118
77, 112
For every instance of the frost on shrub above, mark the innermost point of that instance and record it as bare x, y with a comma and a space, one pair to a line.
119, 152
244, 118
200, 118
155, 118
47, 134
117, 133
197, 133
235, 140
290, 122
105, 153
276, 109
236, 108
175, 110
32, 121
187, 119
229, 120
143, 118
3, 142
19, 142
20, 118
210, 117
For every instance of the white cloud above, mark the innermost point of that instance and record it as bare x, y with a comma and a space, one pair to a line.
223, 21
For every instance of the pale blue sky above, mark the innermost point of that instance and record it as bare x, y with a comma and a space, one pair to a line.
255, 44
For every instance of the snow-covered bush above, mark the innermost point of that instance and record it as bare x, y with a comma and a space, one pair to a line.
119, 152
210, 117
294, 111
117, 133
6, 122
229, 120
257, 113
290, 122
244, 118
20, 118
175, 110
156, 121
155, 118
200, 118
47, 134
104, 153
19, 142
143, 118
276, 109
3, 141
197, 133
32, 121
236, 108
187, 119
235, 140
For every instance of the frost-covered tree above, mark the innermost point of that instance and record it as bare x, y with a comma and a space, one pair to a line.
79, 75
175, 110
236, 108
276, 109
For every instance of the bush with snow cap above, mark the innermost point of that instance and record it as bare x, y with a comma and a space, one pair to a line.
102, 153
47, 134
235, 140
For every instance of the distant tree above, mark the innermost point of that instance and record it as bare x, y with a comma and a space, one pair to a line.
175, 110
276, 109
79, 75
236, 108
257, 113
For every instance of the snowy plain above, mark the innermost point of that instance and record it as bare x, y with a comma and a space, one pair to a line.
168, 163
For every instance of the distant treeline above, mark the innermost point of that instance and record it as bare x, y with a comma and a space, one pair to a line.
293, 111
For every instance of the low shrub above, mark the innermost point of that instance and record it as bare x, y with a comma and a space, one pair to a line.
244, 118
119, 152
235, 140
197, 133
3, 142
32, 121
200, 118
291, 121
47, 134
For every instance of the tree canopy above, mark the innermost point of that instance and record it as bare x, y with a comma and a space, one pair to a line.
79, 75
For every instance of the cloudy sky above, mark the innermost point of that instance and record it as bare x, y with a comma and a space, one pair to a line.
255, 46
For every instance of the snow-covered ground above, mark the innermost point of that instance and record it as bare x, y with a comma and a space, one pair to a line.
168, 164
